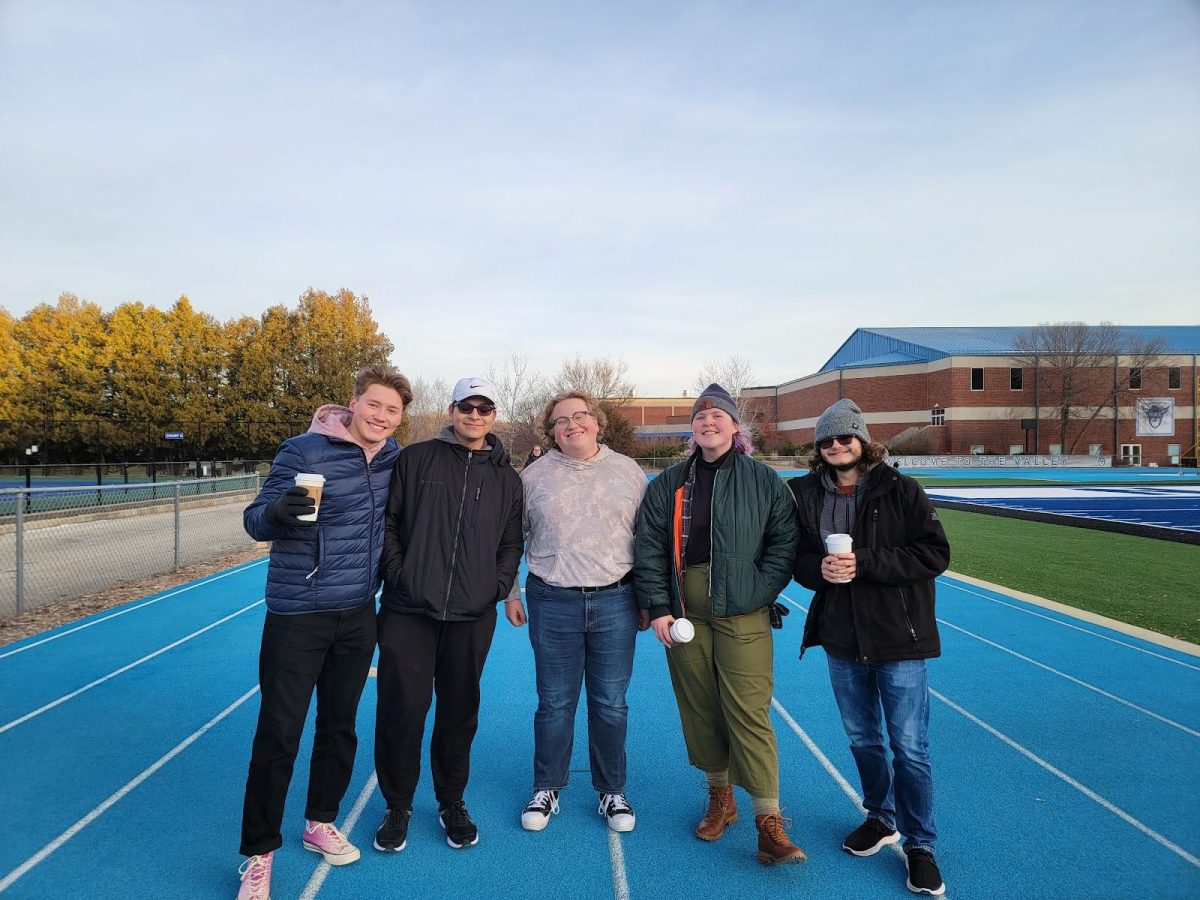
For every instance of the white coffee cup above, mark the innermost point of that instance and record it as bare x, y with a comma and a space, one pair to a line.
682, 631
315, 485
839, 543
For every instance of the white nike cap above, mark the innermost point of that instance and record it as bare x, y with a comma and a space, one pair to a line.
474, 387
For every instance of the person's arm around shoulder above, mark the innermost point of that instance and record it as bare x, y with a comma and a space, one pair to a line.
271, 516
924, 552
779, 537
652, 569
807, 570
392, 561
512, 541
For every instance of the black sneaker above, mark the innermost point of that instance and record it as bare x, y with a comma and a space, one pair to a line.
923, 874
460, 830
392, 834
869, 838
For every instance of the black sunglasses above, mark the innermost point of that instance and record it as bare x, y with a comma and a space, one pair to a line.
484, 409
843, 439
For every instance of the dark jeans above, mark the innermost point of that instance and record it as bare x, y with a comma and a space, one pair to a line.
419, 656
332, 652
576, 634
900, 794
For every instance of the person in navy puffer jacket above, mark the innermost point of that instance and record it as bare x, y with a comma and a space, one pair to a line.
320, 625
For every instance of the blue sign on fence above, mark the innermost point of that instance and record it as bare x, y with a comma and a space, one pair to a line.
174, 435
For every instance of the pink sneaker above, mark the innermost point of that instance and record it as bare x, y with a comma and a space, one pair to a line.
256, 878
323, 838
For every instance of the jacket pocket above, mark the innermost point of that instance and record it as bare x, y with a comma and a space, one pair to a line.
318, 559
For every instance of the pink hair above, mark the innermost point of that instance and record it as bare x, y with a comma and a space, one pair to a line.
741, 442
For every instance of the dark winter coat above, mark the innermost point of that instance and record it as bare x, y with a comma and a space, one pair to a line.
452, 533
753, 539
333, 564
899, 548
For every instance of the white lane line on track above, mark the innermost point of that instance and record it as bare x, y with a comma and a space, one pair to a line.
322, 871
55, 637
617, 862
1074, 680
955, 585
828, 766
149, 656
1082, 788
100, 810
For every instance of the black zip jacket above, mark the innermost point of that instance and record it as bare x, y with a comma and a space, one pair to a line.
452, 534
900, 548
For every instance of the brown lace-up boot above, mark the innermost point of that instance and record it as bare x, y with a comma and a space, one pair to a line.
722, 811
774, 846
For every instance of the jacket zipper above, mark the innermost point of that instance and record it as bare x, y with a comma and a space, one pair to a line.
462, 503
712, 511
904, 602
371, 492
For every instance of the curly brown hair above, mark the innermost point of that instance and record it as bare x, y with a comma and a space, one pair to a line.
593, 406
872, 453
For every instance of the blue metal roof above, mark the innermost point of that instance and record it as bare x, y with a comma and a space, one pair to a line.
896, 346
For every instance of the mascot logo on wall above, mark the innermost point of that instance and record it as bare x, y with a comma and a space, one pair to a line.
1155, 416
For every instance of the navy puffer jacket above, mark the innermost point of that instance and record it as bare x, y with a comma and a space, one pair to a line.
333, 564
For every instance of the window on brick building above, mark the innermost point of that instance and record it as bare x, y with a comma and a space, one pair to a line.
1015, 378
1173, 378
1135, 378
977, 379
937, 416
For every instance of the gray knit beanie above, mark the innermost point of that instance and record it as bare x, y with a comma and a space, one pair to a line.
843, 417
716, 397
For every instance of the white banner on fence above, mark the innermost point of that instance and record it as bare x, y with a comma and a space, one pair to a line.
1155, 416
1000, 462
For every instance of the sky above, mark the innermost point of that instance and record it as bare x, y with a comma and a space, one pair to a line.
663, 183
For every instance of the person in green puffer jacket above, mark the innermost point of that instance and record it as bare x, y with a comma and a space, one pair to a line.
715, 544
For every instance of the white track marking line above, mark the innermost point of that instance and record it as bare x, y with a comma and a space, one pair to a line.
828, 766
1074, 680
617, 864
100, 810
1083, 789
322, 871
958, 586
149, 656
55, 637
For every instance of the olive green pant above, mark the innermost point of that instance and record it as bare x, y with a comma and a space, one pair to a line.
723, 679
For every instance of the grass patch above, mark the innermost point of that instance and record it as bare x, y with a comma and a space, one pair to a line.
1142, 581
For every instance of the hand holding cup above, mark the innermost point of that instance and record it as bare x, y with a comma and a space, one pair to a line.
840, 565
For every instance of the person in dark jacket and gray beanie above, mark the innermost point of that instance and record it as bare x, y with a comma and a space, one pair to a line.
452, 544
714, 546
873, 613
320, 625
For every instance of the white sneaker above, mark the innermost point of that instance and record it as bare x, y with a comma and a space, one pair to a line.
324, 838
617, 812
538, 811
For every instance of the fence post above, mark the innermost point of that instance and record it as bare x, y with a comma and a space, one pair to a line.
20, 524
177, 529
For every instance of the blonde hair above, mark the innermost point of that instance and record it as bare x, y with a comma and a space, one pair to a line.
592, 406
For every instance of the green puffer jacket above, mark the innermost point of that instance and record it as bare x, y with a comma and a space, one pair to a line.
754, 535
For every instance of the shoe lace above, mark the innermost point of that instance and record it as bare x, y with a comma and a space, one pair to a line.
543, 801
775, 825
615, 805
258, 870
456, 814
330, 833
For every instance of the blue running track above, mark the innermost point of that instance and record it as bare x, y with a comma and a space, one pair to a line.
1064, 758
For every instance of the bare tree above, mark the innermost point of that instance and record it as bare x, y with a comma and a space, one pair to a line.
522, 393
425, 416
607, 380
1078, 369
733, 374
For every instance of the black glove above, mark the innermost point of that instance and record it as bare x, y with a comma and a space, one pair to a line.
285, 509
778, 611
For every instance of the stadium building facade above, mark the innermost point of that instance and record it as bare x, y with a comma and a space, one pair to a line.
961, 391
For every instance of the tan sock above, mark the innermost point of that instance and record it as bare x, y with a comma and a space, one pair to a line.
718, 779
765, 806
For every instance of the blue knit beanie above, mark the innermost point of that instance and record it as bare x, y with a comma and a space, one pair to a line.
716, 397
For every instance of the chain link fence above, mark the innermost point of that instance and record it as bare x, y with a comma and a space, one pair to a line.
64, 542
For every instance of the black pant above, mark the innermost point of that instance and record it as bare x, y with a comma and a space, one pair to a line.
331, 651
418, 656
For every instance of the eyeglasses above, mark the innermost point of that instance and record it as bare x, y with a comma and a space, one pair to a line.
578, 418
843, 439
484, 409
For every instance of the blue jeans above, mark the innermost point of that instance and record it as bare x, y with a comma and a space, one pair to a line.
577, 634
900, 794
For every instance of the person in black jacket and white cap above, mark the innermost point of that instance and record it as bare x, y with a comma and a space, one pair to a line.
452, 544
873, 613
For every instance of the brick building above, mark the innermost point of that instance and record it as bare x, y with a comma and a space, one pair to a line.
962, 391
666, 418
